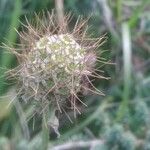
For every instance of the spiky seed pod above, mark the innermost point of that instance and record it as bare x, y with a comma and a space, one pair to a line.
55, 63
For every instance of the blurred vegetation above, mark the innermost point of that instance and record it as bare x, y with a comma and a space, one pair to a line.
120, 120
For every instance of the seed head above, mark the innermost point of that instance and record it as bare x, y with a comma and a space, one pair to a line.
55, 63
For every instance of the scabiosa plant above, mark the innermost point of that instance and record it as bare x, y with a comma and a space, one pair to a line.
56, 63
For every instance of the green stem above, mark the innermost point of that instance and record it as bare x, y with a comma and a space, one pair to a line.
86, 122
127, 54
45, 132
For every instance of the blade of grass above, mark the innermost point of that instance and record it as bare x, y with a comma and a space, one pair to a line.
127, 53
6, 58
12, 35
119, 10
133, 20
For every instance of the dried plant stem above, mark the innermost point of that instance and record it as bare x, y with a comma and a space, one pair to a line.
60, 11
91, 144
80, 144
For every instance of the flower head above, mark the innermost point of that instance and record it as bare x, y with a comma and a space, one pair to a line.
55, 63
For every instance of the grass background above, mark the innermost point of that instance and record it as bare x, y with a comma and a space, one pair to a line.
120, 120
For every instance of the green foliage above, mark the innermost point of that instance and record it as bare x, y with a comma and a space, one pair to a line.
117, 138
